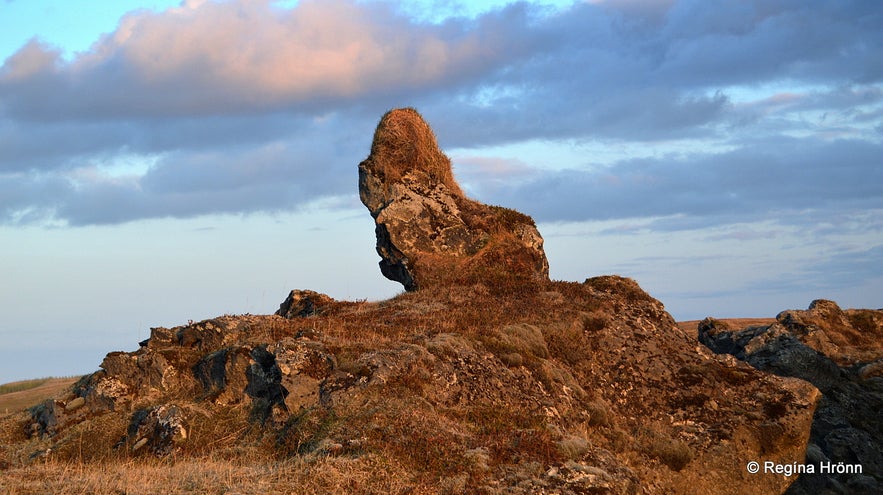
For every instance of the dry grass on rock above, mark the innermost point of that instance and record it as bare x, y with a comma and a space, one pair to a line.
405, 144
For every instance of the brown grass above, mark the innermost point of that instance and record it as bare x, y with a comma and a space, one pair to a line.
25, 395
331, 475
657, 442
691, 326
405, 144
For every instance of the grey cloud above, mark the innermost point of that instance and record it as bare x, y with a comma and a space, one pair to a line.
301, 166
28, 199
708, 189
835, 269
282, 106
844, 268
602, 75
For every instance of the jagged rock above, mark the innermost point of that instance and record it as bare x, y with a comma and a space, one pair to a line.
158, 429
265, 384
44, 419
428, 232
303, 303
846, 427
847, 337
303, 366
222, 374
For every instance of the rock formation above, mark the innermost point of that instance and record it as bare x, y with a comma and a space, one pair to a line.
488, 379
577, 388
841, 353
301, 303
428, 232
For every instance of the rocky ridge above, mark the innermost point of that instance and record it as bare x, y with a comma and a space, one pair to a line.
841, 353
488, 379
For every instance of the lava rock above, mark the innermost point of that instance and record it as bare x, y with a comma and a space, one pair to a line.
428, 232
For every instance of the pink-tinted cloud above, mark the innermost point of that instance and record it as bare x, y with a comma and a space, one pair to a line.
217, 57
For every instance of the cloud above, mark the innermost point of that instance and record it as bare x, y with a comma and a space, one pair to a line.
698, 190
249, 106
207, 58
842, 269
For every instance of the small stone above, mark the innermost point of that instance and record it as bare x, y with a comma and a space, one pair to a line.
140, 443
74, 404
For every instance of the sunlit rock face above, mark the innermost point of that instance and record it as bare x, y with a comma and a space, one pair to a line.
428, 232
839, 352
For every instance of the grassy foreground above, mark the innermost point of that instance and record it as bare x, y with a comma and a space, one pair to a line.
331, 475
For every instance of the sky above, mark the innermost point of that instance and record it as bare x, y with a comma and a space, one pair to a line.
166, 161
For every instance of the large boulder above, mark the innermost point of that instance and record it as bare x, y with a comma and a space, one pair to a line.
428, 232
838, 352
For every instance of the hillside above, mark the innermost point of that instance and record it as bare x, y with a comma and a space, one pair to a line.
32, 393
483, 377
566, 384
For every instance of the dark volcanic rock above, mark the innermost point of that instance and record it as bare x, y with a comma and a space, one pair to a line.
44, 418
428, 232
303, 303
823, 346
157, 429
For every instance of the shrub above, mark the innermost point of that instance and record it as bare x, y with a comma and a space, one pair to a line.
657, 443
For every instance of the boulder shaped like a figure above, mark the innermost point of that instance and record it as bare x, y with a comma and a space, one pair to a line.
429, 233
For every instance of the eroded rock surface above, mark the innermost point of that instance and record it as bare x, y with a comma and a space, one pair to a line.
428, 232
840, 353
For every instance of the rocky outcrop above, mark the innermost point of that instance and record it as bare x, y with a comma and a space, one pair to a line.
489, 379
847, 337
428, 232
575, 388
303, 303
840, 353
248, 362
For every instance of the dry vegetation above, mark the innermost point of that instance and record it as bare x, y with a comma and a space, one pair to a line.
405, 144
148, 476
404, 446
476, 389
16, 396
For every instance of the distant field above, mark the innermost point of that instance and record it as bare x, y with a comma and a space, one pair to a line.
735, 323
16, 396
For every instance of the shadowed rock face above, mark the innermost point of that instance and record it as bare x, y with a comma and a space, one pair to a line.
840, 352
428, 232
